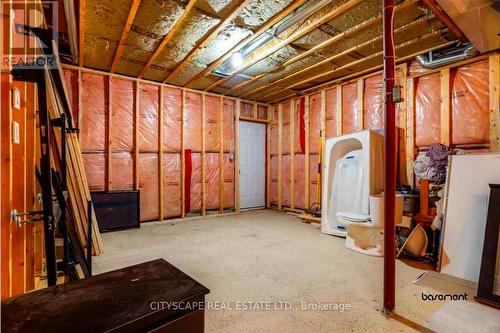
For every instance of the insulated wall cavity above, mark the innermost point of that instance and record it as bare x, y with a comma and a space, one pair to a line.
122, 112
427, 110
95, 169
285, 118
373, 103
149, 186
299, 127
299, 181
149, 98
314, 122
122, 175
171, 164
286, 180
94, 112
349, 107
171, 119
470, 104
229, 112
273, 195
212, 123
331, 115
195, 189
192, 122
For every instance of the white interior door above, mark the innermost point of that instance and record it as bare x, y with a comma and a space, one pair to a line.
252, 164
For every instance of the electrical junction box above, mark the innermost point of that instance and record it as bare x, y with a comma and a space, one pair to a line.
15, 133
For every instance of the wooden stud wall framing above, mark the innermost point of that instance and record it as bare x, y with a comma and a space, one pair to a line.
445, 107
221, 156
136, 137
183, 162
361, 93
292, 153
237, 157
280, 156
338, 110
494, 82
203, 157
160, 155
109, 132
306, 157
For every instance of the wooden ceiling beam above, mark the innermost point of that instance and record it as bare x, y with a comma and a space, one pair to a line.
294, 36
356, 62
364, 73
327, 42
126, 29
168, 37
262, 29
403, 28
81, 30
208, 38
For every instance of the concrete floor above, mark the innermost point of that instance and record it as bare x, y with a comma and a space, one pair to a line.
267, 256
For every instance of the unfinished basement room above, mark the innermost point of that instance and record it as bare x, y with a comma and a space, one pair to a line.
191, 166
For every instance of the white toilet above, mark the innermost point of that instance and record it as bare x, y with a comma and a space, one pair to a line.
365, 233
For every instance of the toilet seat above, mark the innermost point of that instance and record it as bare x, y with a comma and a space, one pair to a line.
354, 219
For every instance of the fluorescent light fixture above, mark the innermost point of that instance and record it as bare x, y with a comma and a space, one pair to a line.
237, 60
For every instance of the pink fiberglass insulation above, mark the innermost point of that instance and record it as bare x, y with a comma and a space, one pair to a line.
229, 112
298, 120
286, 180
228, 181
71, 82
262, 112
246, 110
313, 180
331, 115
212, 123
373, 102
149, 99
314, 122
212, 181
122, 171
273, 136
300, 184
171, 164
122, 111
285, 117
195, 202
273, 195
149, 186
470, 103
192, 122
94, 112
349, 107
95, 169
428, 110
172, 119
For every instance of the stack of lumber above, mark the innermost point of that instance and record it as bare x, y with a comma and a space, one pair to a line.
78, 189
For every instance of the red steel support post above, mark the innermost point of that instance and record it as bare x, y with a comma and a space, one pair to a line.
389, 158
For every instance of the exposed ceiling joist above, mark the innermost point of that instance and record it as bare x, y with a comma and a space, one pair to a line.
403, 28
262, 29
356, 62
318, 47
81, 31
367, 71
208, 38
294, 36
126, 29
168, 37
